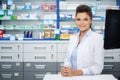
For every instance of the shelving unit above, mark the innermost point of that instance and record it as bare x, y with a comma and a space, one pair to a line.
49, 15
39, 17
43, 49
67, 13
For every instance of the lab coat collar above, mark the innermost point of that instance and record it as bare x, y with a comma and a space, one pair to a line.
87, 34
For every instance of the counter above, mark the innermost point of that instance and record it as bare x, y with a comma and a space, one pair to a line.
90, 77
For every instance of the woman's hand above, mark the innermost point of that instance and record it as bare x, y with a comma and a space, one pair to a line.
63, 71
67, 71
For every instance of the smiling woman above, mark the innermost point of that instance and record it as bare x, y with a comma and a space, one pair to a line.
83, 18
85, 50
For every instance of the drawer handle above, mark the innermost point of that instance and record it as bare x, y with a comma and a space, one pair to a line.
109, 57
6, 57
6, 48
39, 76
40, 66
40, 57
18, 47
108, 67
9, 76
52, 56
51, 47
6, 66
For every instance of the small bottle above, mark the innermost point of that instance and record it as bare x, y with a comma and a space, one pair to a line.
30, 34
57, 34
26, 34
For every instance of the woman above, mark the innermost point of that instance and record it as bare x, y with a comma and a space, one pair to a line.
85, 51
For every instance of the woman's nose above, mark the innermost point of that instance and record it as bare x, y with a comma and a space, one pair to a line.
81, 22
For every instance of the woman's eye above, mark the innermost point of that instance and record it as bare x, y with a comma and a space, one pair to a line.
78, 19
86, 19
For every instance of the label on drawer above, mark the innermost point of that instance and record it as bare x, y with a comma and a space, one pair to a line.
17, 64
16, 74
28, 64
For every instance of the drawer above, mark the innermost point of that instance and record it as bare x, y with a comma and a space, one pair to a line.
60, 65
11, 57
110, 66
11, 75
40, 57
118, 66
61, 56
11, 66
40, 47
36, 75
62, 47
112, 55
40, 66
11, 47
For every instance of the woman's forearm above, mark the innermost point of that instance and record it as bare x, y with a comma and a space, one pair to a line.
77, 72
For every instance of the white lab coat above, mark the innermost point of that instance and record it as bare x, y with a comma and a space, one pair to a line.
90, 56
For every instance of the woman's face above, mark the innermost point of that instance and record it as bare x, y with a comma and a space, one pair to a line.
83, 21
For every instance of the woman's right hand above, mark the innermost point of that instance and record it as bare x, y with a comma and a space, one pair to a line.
66, 71
63, 71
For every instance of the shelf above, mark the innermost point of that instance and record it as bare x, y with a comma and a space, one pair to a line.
33, 0
5, 18
35, 10
97, 29
27, 29
19, 18
66, 10
33, 39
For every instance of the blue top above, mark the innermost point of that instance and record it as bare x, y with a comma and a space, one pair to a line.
74, 59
